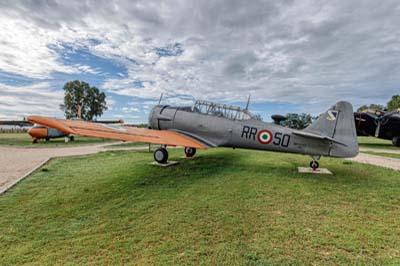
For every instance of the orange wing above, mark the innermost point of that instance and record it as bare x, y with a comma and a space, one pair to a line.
98, 130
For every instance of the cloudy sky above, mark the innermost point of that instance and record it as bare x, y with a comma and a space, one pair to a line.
291, 56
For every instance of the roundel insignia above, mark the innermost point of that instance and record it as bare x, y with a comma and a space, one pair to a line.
264, 136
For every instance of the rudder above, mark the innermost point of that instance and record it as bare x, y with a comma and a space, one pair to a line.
338, 123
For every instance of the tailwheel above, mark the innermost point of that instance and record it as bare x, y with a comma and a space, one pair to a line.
161, 155
314, 165
190, 152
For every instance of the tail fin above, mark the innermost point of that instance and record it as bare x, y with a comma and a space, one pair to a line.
338, 123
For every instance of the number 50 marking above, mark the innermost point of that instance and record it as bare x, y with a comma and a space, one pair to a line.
281, 139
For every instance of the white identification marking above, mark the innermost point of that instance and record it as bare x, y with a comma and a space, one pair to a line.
332, 115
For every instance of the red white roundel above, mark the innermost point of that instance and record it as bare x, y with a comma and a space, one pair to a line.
264, 136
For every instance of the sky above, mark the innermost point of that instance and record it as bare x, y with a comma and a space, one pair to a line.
291, 56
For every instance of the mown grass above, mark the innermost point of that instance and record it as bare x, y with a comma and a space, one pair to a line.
375, 143
130, 144
24, 140
227, 207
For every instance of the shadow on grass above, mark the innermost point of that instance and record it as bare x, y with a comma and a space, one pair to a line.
187, 171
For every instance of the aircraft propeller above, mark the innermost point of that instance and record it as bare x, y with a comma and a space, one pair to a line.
381, 119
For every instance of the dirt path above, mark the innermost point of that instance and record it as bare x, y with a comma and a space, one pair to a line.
17, 163
380, 150
386, 162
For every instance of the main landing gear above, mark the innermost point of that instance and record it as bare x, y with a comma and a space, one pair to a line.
396, 141
314, 163
161, 154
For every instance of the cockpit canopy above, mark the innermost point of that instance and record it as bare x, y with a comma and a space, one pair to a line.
221, 110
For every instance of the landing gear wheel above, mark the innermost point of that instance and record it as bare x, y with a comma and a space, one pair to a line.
161, 155
34, 141
314, 165
190, 152
396, 141
47, 139
71, 138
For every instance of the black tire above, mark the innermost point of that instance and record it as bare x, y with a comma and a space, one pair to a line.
190, 152
47, 139
314, 165
396, 141
161, 155
71, 138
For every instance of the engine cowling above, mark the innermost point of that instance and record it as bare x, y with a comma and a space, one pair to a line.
162, 117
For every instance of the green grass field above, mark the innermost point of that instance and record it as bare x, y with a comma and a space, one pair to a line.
24, 140
227, 207
375, 143
129, 144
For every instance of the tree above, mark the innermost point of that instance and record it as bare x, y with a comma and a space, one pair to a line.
79, 93
374, 107
394, 103
297, 121
258, 117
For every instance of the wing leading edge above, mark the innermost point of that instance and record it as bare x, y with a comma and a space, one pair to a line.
118, 132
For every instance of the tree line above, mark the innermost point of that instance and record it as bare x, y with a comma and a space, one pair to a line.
301, 121
392, 105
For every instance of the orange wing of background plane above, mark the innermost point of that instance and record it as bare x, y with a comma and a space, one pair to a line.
83, 128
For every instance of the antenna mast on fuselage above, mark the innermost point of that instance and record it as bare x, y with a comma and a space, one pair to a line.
159, 101
248, 102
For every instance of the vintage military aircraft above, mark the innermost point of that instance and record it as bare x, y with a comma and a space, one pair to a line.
384, 125
206, 125
38, 132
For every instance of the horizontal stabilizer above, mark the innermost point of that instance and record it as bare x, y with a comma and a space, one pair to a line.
316, 136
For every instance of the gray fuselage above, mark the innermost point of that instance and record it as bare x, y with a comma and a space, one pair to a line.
219, 131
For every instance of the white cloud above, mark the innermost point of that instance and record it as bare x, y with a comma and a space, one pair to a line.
17, 102
129, 109
305, 52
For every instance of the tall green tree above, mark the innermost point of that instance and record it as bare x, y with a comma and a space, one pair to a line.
297, 121
90, 99
374, 107
394, 103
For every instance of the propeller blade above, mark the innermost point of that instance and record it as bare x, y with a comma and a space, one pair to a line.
378, 128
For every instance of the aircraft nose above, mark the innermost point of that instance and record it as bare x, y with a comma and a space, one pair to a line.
38, 132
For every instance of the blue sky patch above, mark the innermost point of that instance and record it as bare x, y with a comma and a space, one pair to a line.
172, 50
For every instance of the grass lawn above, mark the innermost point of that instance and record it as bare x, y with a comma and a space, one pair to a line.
130, 144
227, 207
375, 143
24, 140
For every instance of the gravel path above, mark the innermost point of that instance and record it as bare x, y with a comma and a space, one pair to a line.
380, 150
17, 163
386, 162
